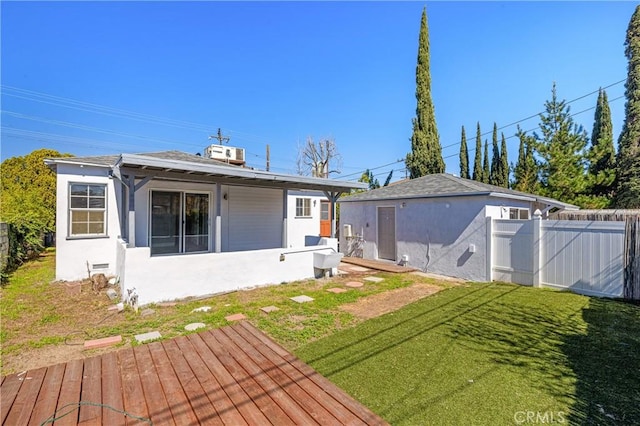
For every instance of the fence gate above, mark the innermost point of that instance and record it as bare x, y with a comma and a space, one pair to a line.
582, 256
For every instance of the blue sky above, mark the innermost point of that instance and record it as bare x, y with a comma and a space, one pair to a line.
93, 78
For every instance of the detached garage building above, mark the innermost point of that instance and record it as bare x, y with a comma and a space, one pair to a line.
437, 223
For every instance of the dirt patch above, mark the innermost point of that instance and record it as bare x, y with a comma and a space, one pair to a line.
389, 301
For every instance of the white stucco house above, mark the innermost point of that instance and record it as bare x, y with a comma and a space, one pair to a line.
170, 225
436, 223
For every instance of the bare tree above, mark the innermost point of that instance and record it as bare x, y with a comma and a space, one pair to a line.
318, 159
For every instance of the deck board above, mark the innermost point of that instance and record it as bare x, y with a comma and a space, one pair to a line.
379, 265
9, 391
45, 405
70, 394
198, 399
235, 375
159, 411
112, 390
91, 391
333, 408
181, 411
26, 398
132, 393
251, 383
355, 407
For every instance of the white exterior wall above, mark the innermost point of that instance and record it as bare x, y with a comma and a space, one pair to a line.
437, 234
73, 253
301, 229
162, 278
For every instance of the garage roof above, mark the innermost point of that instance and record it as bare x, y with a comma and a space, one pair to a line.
446, 185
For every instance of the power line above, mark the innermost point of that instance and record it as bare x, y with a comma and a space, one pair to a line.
536, 115
532, 129
373, 168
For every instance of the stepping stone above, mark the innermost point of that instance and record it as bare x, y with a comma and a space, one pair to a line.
194, 326
112, 294
374, 279
235, 317
268, 309
337, 290
101, 343
359, 269
145, 337
73, 288
202, 309
147, 312
302, 299
354, 284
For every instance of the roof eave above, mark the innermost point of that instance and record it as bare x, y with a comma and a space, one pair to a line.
237, 172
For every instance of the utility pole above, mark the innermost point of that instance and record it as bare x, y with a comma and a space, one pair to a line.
268, 158
219, 137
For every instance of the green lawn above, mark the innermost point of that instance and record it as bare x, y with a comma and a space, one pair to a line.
492, 354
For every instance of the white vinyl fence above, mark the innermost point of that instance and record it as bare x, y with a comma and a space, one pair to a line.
582, 256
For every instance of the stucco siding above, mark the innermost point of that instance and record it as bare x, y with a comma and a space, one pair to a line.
302, 229
74, 254
445, 235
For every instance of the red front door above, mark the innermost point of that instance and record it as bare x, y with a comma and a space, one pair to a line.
325, 219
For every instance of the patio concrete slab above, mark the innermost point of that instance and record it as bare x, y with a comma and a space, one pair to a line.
354, 284
194, 326
374, 279
145, 337
269, 309
337, 290
235, 317
202, 309
302, 299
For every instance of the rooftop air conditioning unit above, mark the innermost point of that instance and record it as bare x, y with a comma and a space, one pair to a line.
227, 154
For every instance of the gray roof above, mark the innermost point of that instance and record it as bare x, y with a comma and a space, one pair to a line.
177, 165
446, 185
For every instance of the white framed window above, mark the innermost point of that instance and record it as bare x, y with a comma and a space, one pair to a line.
87, 210
515, 213
303, 207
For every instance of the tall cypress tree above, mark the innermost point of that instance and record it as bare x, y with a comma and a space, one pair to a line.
504, 163
601, 153
426, 153
525, 172
628, 161
477, 162
486, 167
495, 175
464, 156
561, 148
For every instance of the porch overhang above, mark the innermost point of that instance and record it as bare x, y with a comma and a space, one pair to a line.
209, 171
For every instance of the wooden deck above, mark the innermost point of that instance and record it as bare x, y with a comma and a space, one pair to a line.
379, 265
234, 375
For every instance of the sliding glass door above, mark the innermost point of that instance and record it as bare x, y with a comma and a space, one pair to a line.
196, 222
179, 222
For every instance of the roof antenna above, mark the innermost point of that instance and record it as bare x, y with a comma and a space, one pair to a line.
221, 139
